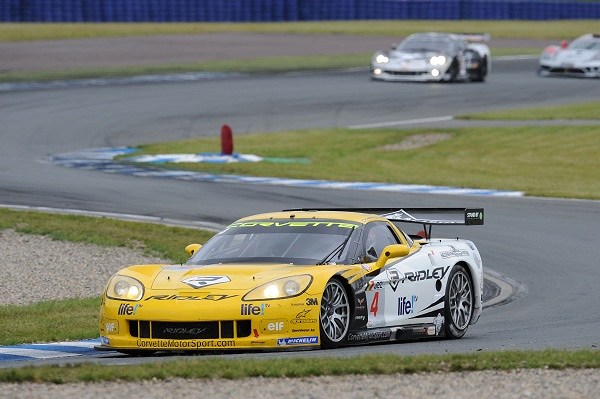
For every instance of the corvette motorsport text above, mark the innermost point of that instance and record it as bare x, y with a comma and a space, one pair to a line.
302, 278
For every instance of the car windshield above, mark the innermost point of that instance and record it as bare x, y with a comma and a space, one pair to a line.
302, 242
423, 44
585, 44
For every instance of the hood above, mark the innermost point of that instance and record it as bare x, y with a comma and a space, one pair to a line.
576, 55
412, 56
223, 277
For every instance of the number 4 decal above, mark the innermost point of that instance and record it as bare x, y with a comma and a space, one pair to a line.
375, 304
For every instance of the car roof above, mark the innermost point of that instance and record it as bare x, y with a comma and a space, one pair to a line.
357, 217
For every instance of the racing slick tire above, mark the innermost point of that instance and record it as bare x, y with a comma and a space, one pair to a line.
453, 70
460, 302
335, 315
481, 71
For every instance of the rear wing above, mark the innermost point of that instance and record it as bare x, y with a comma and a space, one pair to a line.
475, 37
425, 216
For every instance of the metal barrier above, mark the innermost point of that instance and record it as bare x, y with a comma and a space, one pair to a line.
289, 10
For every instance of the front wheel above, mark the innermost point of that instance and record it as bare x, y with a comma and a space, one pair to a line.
459, 302
335, 315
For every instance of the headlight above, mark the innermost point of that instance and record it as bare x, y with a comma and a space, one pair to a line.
381, 59
437, 60
286, 287
124, 288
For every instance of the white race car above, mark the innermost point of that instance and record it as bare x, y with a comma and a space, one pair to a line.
580, 58
434, 57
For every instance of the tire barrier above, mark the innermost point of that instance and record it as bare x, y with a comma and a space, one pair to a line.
289, 10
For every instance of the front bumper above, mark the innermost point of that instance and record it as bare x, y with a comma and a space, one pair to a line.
190, 325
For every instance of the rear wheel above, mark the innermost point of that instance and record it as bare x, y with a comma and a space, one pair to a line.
459, 302
335, 314
481, 71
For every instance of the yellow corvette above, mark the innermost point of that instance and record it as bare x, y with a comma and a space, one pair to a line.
302, 278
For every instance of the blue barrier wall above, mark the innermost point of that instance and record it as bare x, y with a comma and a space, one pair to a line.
288, 10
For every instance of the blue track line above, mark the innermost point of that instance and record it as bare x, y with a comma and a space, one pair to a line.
101, 159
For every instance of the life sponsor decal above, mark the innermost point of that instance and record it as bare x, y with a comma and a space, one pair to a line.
127, 309
273, 326
428, 274
209, 297
249, 309
183, 344
310, 340
369, 335
406, 305
204, 281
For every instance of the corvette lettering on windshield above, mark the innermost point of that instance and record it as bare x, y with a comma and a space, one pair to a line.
294, 224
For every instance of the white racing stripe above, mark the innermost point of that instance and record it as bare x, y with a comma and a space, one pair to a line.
47, 351
403, 122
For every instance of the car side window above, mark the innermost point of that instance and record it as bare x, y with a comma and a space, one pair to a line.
377, 236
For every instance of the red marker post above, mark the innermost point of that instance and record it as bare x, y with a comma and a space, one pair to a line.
226, 140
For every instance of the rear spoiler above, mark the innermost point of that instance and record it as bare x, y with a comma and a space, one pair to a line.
475, 37
425, 216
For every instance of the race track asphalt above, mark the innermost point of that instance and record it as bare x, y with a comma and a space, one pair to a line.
548, 246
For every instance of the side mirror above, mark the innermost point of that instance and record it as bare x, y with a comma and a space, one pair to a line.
192, 249
391, 251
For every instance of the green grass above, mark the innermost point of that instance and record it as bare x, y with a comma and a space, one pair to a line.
151, 239
563, 29
39, 31
548, 161
49, 321
296, 367
590, 110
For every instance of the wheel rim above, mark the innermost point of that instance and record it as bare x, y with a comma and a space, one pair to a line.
335, 311
461, 300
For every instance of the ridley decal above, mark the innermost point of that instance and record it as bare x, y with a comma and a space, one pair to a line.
437, 273
209, 297
204, 281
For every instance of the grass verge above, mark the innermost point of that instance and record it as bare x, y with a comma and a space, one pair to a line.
264, 65
590, 110
296, 367
151, 239
548, 161
560, 29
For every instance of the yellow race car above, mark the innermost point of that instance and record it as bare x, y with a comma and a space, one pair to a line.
302, 278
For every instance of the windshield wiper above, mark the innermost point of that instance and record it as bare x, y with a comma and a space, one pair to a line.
339, 249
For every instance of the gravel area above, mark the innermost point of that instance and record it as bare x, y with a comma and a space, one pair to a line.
537, 383
36, 268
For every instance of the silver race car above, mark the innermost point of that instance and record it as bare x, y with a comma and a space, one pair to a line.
434, 57
580, 58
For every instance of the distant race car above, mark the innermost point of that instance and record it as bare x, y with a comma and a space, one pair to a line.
434, 57
302, 278
580, 58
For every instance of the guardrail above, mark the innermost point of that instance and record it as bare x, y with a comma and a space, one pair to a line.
289, 10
